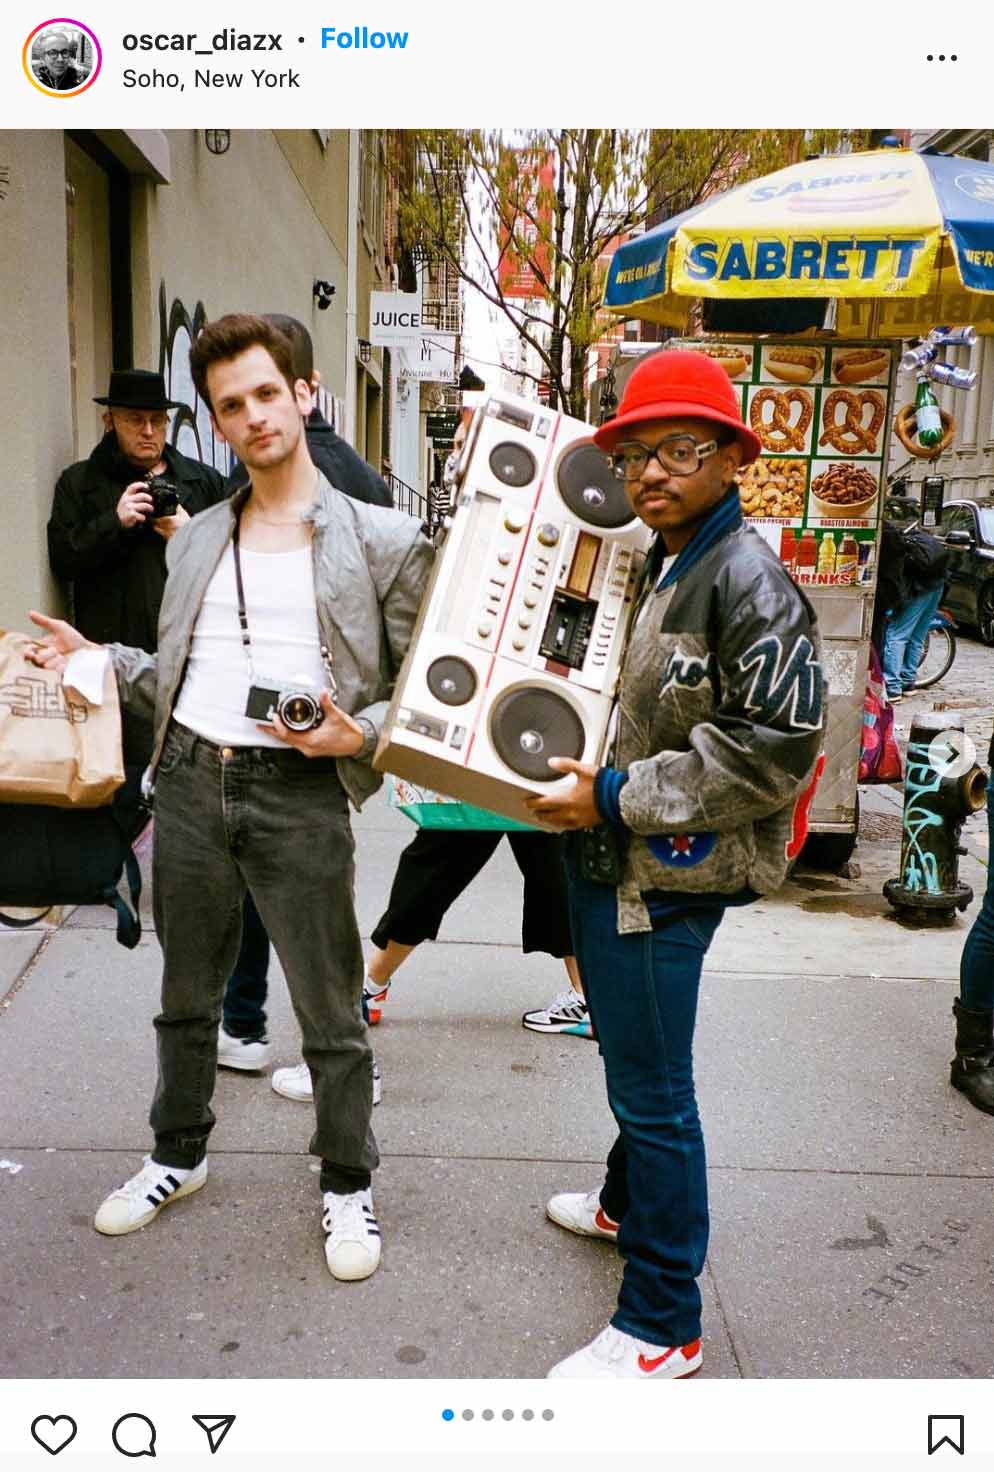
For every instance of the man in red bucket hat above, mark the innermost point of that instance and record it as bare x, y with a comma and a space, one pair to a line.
702, 806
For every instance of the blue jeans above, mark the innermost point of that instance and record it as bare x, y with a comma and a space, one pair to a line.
642, 994
976, 969
245, 993
904, 639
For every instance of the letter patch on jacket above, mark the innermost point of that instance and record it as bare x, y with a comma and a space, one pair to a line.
792, 680
688, 671
681, 850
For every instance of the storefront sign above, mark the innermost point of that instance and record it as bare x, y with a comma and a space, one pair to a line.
394, 318
432, 359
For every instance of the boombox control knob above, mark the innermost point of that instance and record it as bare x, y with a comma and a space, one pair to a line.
485, 629
529, 600
548, 534
524, 623
519, 644
514, 521
504, 558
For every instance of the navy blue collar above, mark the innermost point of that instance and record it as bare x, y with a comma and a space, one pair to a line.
726, 517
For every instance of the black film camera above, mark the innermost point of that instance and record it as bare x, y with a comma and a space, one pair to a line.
298, 709
165, 497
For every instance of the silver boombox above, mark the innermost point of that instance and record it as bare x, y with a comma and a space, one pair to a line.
516, 652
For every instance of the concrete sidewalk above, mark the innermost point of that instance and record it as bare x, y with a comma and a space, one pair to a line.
851, 1187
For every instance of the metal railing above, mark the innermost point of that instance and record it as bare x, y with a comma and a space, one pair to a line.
430, 508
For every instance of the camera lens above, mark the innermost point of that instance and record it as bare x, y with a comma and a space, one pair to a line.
299, 712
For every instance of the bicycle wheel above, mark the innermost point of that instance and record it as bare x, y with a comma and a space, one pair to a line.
937, 657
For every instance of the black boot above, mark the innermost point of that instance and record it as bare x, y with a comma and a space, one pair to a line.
972, 1071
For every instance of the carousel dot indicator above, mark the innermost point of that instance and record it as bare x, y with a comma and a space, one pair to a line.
467, 1415
527, 1415
548, 1415
508, 1415
448, 1415
488, 1415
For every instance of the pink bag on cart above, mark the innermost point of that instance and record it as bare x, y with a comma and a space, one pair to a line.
880, 755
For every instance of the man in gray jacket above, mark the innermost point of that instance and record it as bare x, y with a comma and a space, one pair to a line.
290, 586
719, 730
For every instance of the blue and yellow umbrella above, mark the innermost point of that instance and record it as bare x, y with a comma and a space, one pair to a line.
902, 240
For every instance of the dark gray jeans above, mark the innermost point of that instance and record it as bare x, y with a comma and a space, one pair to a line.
277, 823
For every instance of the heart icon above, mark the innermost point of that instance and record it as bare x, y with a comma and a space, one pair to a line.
54, 1433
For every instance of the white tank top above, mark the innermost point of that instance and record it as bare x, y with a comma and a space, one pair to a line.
286, 644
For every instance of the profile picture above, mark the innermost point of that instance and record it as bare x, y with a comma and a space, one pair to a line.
62, 57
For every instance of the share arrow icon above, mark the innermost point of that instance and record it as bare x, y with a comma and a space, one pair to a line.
216, 1427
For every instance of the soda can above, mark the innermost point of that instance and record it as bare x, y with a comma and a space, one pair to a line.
917, 358
951, 377
954, 337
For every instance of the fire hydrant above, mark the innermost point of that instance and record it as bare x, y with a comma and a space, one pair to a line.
943, 786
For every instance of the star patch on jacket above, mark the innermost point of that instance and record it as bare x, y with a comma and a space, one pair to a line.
681, 850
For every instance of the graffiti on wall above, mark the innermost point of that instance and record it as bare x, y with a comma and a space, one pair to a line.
190, 430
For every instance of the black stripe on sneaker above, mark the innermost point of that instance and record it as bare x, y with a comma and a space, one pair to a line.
173, 1182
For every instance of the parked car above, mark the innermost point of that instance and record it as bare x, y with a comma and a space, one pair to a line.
967, 528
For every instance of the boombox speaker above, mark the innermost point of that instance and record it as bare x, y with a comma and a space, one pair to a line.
516, 652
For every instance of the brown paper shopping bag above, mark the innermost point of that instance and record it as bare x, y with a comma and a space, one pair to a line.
55, 748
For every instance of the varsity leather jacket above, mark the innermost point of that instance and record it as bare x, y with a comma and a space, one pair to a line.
719, 722
371, 566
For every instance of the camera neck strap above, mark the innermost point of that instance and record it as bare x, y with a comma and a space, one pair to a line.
243, 614
240, 591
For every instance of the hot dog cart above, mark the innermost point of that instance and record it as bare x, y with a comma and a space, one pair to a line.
803, 284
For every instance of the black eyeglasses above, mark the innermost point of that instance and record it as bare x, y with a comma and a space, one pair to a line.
54, 55
679, 454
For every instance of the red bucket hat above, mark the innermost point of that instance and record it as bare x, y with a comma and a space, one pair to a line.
679, 385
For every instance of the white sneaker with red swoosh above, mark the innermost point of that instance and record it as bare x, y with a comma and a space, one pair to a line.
614, 1355
582, 1213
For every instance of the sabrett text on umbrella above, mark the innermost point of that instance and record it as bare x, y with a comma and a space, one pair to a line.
845, 259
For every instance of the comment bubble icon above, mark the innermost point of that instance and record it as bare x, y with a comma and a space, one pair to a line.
134, 1435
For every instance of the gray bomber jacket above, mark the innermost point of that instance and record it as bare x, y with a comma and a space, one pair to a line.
371, 567
719, 731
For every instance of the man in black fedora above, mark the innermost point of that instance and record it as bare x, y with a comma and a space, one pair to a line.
104, 537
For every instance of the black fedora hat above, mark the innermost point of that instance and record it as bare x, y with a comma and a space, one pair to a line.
137, 388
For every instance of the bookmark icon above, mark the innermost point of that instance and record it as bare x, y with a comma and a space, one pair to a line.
215, 1428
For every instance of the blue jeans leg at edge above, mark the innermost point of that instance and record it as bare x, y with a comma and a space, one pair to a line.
904, 639
248, 985
977, 962
642, 992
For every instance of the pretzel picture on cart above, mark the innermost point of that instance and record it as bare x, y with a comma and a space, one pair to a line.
851, 422
781, 418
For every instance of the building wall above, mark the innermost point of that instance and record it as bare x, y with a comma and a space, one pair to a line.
34, 366
248, 230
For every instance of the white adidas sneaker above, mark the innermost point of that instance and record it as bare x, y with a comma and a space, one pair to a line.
140, 1200
352, 1246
